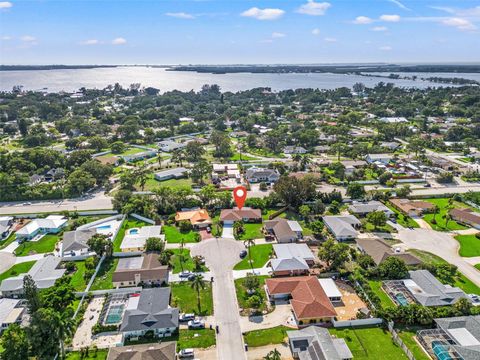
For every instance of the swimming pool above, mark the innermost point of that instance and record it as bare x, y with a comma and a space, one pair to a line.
440, 351
104, 227
402, 300
115, 314
133, 231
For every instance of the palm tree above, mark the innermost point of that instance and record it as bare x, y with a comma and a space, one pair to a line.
197, 263
305, 161
198, 284
181, 255
159, 159
273, 355
435, 212
248, 244
64, 326
141, 175
165, 257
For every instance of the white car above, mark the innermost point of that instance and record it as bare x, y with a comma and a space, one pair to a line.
196, 324
186, 353
187, 317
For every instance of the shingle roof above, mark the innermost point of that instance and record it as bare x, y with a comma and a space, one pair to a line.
237, 214
342, 225
194, 216
149, 269
77, 240
466, 216
380, 250
154, 351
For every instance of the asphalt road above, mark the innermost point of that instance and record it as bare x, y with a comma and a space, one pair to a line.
220, 256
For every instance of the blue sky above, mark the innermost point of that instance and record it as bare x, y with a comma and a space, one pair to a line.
232, 32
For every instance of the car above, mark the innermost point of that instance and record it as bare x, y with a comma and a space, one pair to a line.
427, 185
27, 203
196, 324
243, 253
186, 317
186, 353
185, 274
191, 277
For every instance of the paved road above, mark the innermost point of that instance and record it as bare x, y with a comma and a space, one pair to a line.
220, 256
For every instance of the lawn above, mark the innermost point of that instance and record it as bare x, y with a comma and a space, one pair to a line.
469, 245
260, 255
77, 280
370, 343
384, 298
369, 227
17, 269
127, 224
441, 223
242, 295
185, 298
152, 184
252, 231
173, 235
131, 151
477, 266
8, 241
244, 157
187, 263
408, 337
45, 245
275, 335
99, 354
403, 220
195, 339
103, 280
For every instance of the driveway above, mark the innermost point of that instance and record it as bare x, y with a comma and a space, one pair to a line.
441, 244
227, 232
280, 316
220, 257
7, 260
422, 223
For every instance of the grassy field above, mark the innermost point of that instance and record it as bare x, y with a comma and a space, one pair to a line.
45, 245
187, 263
127, 224
403, 220
7, 241
469, 245
244, 157
275, 335
252, 231
260, 255
152, 184
369, 227
173, 235
17, 269
99, 354
185, 298
77, 280
103, 280
196, 339
242, 295
441, 223
370, 343
384, 298
407, 336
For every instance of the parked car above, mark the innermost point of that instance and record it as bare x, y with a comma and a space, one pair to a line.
196, 324
186, 317
243, 253
186, 353
185, 274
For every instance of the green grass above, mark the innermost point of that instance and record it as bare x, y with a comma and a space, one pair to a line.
11, 238
45, 245
100, 354
441, 222
103, 280
469, 245
384, 298
403, 220
152, 184
188, 263
131, 151
127, 224
185, 298
260, 255
242, 295
77, 280
370, 343
173, 235
369, 227
17, 269
252, 231
244, 157
477, 266
275, 335
407, 336
196, 339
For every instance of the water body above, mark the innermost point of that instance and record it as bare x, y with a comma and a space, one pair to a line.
73, 79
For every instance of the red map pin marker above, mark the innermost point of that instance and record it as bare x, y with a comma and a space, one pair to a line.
240, 195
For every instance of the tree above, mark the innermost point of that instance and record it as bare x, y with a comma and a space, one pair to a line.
200, 170
197, 284
80, 181
118, 147
404, 191
417, 145
43, 333
99, 243
393, 268
333, 253
64, 326
293, 191
31, 294
165, 257
254, 302
141, 175
194, 151
58, 297
248, 244
435, 211
15, 343
207, 194
251, 283
463, 306
185, 226
197, 263
445, 178
377, 219
355, 190
154, 244
238, 229
304, 211
273, 355
178, 157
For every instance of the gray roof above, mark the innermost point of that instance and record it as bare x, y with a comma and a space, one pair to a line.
465, 331
171, 172
261, 173
77, 240
286, 251
368, 207
431, 292
316, 343
152, 351
379, 250
152, 312
289, 264
342, 225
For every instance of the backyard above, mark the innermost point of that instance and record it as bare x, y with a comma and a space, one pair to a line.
260, 255
469, 245
275, 335
385, 300
45, 245
440, 217
77, 279
243, 296
152, 184
98, 354
17, 269
408, 337
185, 298
129, 223
174, 235
103, 280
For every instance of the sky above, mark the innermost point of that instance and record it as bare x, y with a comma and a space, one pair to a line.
238, 31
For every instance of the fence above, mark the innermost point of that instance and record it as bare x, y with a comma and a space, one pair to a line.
129, 290
356, 323
127, 254
143, 218
396, 338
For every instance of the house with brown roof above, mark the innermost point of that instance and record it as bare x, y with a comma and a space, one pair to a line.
285, 231
198, 218
245, 214
379, 250
412, 208
466, 217
154, 351
310, 303
134, 271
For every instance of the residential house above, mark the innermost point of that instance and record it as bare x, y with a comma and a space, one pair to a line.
75, 242
150, 312
44, 273
365, 208
352, 165
342, 227
384, 159
309, 302
168, 174
35, 179
393, 120
52, 224
54, 174
11, 312
292, 259
284, 230
169, 145
198, 218
138, 270
293, 150
255, 174
139, 156
379, 251
412, 208
135, 239
390, 145
466, 216
316, 343
153, 351
331, 289
186, 119
245, 214
6, 223
230, 170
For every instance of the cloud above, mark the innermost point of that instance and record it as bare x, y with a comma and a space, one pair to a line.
385, 48
90, 42
263, 14
330, 39
400, 5
362, 20
316, 31
28, 38
379, 28
119, 41
313, 8
180, 15
390, 18
459, 23
6, 38
5, 4
276, 35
